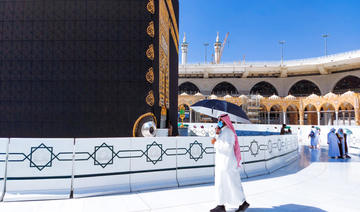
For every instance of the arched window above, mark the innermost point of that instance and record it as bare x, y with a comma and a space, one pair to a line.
347, 83
310, 115
223, 89
304, 88
264, 89
292, 114
189, 88
276, 115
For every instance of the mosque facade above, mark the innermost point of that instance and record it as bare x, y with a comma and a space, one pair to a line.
313, 91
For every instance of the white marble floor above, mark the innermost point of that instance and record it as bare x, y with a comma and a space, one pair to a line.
313, 183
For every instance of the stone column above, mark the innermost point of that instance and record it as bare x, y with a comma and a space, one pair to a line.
301, 115
318, 117
349, 117
284, 117
337, 117
343, 117
331, 119
357, 120
326, 118
268, 116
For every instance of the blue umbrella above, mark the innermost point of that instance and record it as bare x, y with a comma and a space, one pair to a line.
215, 108
347, 131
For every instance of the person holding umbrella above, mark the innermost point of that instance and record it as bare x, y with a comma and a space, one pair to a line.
228, 188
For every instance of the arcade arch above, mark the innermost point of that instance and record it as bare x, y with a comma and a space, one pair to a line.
189, 88
224, 88
327, 114
263, 115
310, 115
292, 115
264, 89
346, 114
276, 116
347, 83
304, 88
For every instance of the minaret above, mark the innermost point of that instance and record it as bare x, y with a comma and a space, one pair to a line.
184, 50
217, 47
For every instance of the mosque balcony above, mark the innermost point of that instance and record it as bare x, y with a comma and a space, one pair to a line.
346, 61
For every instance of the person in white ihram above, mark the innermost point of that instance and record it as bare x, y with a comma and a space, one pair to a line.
228, 188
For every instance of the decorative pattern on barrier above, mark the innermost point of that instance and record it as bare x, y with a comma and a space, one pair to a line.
39, 157
42, 156
254, 148
354, 142
104, 147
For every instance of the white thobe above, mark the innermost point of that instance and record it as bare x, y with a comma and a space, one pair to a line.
228, 188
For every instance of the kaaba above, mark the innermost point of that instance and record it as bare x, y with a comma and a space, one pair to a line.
87, 68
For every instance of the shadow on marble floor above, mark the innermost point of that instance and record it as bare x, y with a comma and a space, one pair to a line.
284, 208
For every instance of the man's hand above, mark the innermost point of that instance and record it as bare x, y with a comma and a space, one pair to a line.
213, 140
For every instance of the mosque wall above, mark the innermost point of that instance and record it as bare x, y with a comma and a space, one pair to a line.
326, 83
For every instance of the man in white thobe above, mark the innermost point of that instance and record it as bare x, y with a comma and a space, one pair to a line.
228, 188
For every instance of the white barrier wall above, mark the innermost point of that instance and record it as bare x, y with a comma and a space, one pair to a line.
102, 166
51, 168
292, 152
281, 150
354, 143
39, 169
153, 163
195, 160
3, 152
274, 149
253, 149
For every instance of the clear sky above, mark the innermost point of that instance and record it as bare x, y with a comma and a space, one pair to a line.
257, 26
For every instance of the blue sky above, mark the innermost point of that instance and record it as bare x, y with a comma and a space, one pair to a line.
256, 26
